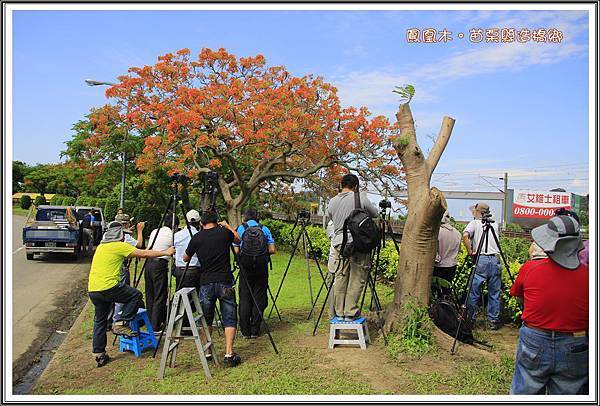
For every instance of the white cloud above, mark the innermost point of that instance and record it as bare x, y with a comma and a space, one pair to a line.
373, 88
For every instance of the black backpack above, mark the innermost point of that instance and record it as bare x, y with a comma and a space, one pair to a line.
365, 233
254, 241
446, 315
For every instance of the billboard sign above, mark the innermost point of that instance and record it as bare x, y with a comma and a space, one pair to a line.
540, 205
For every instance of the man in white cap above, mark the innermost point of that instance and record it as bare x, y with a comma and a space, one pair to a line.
444, 266
488, 267
552, 354
192, 275
182, 239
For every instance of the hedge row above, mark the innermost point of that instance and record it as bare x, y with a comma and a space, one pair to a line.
515, 250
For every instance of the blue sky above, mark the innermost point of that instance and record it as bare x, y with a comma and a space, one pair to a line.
519, 108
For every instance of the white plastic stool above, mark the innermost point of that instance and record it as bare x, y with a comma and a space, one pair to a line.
359, 326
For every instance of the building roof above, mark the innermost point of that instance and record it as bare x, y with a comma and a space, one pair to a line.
48, 196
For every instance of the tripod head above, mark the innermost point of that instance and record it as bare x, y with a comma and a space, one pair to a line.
209, 188
486, 219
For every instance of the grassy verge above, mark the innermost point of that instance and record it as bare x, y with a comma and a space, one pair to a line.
19, 211
303, 366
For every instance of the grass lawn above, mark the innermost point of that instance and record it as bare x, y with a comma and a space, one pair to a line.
303, 366
17, 210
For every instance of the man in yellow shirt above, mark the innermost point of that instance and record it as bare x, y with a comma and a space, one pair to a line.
105, 287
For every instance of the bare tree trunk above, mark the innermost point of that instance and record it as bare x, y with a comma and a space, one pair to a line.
234, 215
426, 207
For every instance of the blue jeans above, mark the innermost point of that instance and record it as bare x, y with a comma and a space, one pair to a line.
209, 293
488, 269
557, 365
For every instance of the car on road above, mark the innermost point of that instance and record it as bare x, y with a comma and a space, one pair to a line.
52, 229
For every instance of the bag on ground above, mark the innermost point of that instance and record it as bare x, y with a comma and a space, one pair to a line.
446, 315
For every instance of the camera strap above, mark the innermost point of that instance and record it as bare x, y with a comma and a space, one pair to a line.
356, 200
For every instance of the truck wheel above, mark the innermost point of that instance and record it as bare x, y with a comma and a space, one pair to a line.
29, 257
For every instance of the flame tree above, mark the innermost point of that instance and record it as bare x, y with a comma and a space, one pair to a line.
250, 122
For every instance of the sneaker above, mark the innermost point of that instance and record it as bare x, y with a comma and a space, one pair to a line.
253, 337
157, 333
232, 361
122, 329
102, 360
208, 356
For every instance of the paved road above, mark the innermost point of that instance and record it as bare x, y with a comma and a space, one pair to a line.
39, 286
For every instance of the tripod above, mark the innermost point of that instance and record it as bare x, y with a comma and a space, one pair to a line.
174, 202
487, 228
301, 218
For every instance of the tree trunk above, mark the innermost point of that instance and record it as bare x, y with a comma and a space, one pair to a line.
234, 215
426, 207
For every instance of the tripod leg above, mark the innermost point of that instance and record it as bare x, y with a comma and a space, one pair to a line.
287, 268
276, 309
378, 309
162, 220
464, 312
262, 319
314, 256
323, 307
323, 284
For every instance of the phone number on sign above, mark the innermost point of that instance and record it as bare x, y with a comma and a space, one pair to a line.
534, 211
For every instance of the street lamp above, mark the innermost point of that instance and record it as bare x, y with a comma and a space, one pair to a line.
91, 82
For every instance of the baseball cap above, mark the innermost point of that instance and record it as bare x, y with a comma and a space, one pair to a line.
193, 216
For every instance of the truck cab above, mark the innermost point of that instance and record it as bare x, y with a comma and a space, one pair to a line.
51, 229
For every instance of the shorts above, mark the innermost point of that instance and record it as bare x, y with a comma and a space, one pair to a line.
209, 293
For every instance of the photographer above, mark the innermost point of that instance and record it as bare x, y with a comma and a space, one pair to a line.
488, 268
212, 245
255, 247
105, 287
351, 274
125, 220
553, 351
447, 249
156, 275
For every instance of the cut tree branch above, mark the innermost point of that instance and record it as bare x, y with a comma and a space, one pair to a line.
440, 144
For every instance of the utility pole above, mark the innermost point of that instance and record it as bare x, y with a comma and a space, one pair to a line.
504, 202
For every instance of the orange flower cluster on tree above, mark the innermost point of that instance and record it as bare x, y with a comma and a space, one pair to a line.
249, 121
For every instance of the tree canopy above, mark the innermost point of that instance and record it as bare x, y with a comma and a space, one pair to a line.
249, 121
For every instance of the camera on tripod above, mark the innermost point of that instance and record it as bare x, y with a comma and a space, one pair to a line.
487, 218
385, 204
210, 181
303, 214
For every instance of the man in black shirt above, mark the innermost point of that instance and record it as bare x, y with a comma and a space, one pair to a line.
212, 245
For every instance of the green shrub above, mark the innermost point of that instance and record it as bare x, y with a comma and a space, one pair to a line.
514, 227
415, 336
68, 201
56, 200
25, 202
40, 200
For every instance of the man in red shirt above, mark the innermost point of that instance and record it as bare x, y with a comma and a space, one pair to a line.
552, 354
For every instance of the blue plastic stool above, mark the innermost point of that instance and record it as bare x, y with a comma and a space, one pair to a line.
358, 325
145, 339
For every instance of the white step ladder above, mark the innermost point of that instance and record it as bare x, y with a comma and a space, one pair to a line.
181, 308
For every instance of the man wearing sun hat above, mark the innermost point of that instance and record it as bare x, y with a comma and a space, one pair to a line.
488, 268
105, 286
552, 354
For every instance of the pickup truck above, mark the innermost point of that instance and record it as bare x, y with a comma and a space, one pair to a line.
52, 229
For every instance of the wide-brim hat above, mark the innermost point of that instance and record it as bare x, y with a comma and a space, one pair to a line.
114, 232
480, 208
561, 240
